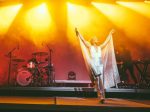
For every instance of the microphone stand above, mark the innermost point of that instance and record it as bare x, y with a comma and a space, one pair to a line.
9, 55
51, 77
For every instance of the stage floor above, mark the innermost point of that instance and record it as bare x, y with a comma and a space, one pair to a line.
71, 104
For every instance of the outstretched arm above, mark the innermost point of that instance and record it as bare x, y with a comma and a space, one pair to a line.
108, 38
86, 43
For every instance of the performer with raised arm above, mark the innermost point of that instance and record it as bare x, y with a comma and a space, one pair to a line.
100, 62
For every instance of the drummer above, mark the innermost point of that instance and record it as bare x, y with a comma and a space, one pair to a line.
32, 63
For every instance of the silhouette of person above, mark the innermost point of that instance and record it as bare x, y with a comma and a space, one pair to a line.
124, 58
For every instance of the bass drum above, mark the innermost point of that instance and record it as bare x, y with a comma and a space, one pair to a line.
24, 77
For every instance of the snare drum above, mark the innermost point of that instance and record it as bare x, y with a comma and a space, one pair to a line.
24, 77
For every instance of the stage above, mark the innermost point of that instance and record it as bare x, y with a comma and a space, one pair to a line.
44, 67
72, 99
88, 92
71, 104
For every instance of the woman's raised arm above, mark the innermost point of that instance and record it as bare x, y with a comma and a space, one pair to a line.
108, 38
86, 43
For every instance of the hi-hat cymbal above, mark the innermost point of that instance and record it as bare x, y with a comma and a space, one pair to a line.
18, 60
40, 53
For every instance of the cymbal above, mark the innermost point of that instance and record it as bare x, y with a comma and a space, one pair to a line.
9, 56
40, 53
18, 60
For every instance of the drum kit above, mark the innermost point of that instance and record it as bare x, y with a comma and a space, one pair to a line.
38, 71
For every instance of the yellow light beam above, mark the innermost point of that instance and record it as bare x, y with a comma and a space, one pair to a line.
88, 20
125, 19
7, 15
114, 13
78, 15
38, 18
139, 7
39, 23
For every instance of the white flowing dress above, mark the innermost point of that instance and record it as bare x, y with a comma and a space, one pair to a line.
102, 61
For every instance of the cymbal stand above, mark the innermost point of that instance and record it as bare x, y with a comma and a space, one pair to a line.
9, 55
